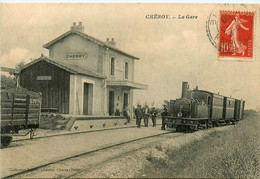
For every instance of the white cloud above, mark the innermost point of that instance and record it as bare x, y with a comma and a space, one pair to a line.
15, 56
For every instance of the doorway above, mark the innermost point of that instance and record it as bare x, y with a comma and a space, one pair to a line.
125, 100
111, 102
87, 98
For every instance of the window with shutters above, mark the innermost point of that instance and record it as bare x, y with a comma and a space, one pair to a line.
126, 70
112, 66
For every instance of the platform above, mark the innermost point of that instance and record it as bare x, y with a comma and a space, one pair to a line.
95, 122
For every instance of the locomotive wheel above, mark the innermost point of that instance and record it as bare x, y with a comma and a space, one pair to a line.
5, 141
194, 128
182, 128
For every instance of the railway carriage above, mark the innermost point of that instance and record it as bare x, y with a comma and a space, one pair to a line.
198, 109
239, 109
229, 110
20, 109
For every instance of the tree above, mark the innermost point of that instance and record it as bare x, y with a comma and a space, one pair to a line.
19, 66
8, 82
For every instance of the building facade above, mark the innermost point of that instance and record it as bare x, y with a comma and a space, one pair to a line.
83, 75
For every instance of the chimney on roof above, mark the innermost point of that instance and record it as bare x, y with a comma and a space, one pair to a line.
79, 27
111, 42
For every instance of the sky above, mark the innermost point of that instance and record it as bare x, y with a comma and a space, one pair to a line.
170, 50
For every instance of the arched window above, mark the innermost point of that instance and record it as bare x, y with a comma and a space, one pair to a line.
112, 66
126, 70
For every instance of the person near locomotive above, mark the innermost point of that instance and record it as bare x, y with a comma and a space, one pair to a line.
163, 114
138, 114
146, 112
153, 113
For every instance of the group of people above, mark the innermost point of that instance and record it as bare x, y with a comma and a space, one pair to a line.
145, 113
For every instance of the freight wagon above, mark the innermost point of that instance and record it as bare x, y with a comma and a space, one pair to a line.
20, 109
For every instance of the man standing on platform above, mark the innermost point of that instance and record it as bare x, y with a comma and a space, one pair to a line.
126, 113
153, 115
146, 115
138, 114
163, 114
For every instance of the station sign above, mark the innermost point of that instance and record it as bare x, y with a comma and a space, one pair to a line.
76, 56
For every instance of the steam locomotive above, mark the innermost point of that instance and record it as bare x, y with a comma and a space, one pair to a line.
198, 109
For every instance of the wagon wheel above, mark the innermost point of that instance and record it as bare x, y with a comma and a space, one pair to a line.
5, 141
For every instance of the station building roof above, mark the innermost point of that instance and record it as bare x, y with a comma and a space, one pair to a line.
86, 36
70, 67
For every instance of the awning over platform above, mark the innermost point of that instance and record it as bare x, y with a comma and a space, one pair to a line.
129, 84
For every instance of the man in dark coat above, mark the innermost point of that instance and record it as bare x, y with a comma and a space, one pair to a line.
163, 114
138, 114
153, 113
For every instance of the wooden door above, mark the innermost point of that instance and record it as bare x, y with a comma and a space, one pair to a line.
125, 100
111, 102
85, 99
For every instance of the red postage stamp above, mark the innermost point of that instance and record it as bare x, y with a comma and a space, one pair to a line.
236, 35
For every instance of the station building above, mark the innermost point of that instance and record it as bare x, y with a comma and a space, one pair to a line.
83, 75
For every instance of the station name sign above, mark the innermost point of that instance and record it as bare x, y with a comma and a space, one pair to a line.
76, 56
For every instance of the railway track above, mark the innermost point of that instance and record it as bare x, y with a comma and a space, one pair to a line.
83, 154
73, 133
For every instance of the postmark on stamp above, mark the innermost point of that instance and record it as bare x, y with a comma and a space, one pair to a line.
236, 30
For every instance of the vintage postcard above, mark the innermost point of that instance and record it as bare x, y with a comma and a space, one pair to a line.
130, 90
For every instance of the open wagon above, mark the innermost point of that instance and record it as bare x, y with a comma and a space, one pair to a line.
20, 109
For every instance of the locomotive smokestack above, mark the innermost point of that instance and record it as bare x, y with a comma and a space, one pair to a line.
184, 89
